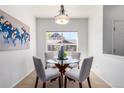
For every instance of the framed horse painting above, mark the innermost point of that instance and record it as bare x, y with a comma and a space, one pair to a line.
13, 33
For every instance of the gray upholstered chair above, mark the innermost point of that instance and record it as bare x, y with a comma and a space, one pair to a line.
75, 55
45, 74
49, 56
80, 74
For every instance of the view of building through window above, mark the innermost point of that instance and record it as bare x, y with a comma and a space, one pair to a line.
68, 39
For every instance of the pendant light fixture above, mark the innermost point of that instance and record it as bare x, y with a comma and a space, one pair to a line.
62, 18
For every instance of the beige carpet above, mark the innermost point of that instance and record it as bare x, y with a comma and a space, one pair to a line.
29, 82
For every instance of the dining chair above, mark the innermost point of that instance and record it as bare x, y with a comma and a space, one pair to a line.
49, 56
45, 74
75, 55
82, 74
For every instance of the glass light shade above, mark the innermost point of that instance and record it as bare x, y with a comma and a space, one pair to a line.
62, 19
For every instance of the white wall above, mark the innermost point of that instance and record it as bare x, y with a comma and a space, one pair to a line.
14, 65
80, 25
109, 67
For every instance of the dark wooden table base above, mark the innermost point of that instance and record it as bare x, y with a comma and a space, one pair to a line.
62, 71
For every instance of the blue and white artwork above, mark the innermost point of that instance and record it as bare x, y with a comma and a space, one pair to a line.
13, 33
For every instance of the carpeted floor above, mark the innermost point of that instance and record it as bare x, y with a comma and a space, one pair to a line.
29, 82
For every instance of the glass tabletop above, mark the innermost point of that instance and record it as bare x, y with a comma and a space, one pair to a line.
69, 61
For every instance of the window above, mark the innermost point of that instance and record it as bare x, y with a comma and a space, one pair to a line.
68, 39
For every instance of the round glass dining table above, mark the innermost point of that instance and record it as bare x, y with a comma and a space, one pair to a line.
62, 64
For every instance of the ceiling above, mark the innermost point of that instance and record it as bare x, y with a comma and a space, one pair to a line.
49, 11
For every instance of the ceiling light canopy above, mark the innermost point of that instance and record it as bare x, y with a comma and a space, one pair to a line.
62, 18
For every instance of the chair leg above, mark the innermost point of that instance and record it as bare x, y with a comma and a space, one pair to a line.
36, 81
80, 85
45, 66
78, 67
44, 84
59, 79
88, 79
65, 83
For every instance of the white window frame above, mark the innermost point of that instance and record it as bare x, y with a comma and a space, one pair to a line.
61, 43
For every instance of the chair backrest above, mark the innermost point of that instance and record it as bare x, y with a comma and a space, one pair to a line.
49, 55
39, 68
85, 68
76, 55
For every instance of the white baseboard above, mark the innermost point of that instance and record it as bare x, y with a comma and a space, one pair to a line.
102, 78
21, 79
